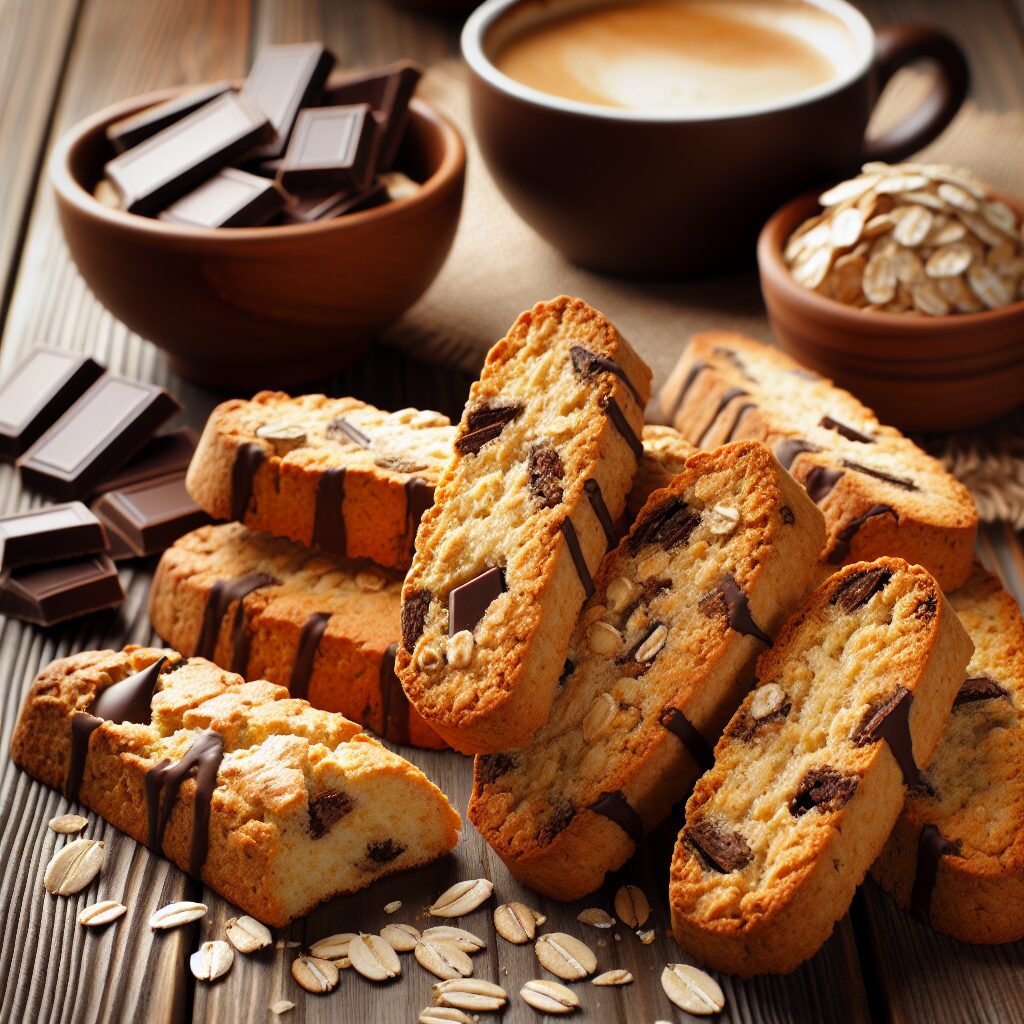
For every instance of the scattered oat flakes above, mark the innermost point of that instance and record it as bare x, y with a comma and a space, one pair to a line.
280, 1006
176, 914
595, 917
631, 906
462, 898
315, 975
333, 947
615, 977
212, 960
692, 990
443, 959
444, 1015
402, 938
73, 867
646, 936
549, 996
516, 922
68, 824
97, 914
466, 941
473, 994
247, 934
374, 958
565, 956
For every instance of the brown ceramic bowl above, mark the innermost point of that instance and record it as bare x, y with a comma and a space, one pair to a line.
244, 307
920, 373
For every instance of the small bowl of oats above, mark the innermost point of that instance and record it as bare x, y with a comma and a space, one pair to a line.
906, 285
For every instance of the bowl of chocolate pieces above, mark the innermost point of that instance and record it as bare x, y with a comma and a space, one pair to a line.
263, 231
906, 285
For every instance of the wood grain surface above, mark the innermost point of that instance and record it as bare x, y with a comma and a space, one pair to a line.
62, 59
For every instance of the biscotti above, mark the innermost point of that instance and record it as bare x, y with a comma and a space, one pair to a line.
268, 608
956, 856
334, 473
662, 654
665, 454
288, 807
880, 493
525, 511
811, 772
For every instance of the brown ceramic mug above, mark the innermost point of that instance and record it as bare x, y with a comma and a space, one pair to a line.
659, 194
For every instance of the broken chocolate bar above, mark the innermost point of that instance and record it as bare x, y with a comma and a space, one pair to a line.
52, 593
230, 199
49, 534
335, 204
136, 128
160, 456
331, 147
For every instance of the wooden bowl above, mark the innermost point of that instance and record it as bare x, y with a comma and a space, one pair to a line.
238, 308
920, 373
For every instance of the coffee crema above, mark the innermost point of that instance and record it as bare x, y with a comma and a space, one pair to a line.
685, 57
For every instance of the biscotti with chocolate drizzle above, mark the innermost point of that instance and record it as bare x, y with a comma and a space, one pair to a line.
661, 656
268, 608
812, 770
288, 806
956, 856
333, 473
525, 511
881, 494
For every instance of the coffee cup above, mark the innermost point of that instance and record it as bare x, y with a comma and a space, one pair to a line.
629, 157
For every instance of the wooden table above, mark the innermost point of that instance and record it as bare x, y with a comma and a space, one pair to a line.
59, 61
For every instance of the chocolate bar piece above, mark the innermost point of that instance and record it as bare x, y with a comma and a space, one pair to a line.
136, 128
62, 591
166, 166
283, 80
230, 199
40, 390
331, 147
120, 550
97, 436
159, 456
388, 91
49, 534
326, 207
152, 515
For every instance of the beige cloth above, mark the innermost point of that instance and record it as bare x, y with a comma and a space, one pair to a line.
498, 266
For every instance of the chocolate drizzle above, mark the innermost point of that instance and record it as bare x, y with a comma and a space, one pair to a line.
468, 603
686, 732
846, 431
729, 596
593, 491
845, 537
394, 705
615, 807
248, 460
329, 517
820, 482
932, 846
305, 655
897, 481
621, 424
572, 542
691, 378
725, 400
222, 595
419, 496
740, 413
890, 721
786, 451
163, 782
587, 363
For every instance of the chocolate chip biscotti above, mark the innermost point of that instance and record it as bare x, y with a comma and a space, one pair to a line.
334, 473
287, 807
525, 511
662, 654
268, 608
956, 856
881, 494
812, 770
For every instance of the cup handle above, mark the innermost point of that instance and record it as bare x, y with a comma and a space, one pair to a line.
900, 45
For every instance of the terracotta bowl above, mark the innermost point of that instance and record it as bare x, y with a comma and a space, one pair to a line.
238, 308
920, 373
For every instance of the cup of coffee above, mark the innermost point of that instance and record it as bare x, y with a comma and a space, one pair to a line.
651, 138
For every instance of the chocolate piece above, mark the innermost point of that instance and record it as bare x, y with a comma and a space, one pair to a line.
897, 481
925, 608
823, 788
152, 515
52, 593
337, 203
484, 423
419, 496
119, 550
668, 524
719, 409
49, 534
468, 603
890, 721
932, 846
383, 851
136, 128
328, 517
979, 688
604, 517
163, 782
230, 199
222, 595
747, 726
848, 432
414, 616
722, 850
394, 705
563, 812
387, 91
340, 425
159, 456
302, 668
587, 363
841, 548
855, 591
281, 81
490, 767
686, 732
331, 148
572, 542
691, 378
787, 451
174, 161
728, 599
325, 809
621, 424
615, 807
248, 459
44, 385
98, 435
787, 515
546, 473
820, 482
730, 434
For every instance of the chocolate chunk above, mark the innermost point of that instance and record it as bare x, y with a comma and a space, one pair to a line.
419, 496
64, 590
720, 848
160, 456
848, 432
317, 206
686, 732
747, 726
979, 688
484, 423
897, 481
669, 523
383, 851
52, 533
468, 603
341, 427
331, 148
856, 590
325, 809
787, 451
926, 608
38, 392
248, 459
562, 813
587, 364
823, 788
414, 616
890, 720
841, 549
615, 807
820, 482
546, 473
230, 199
787, 515
728, 599
490, 767
136, 128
